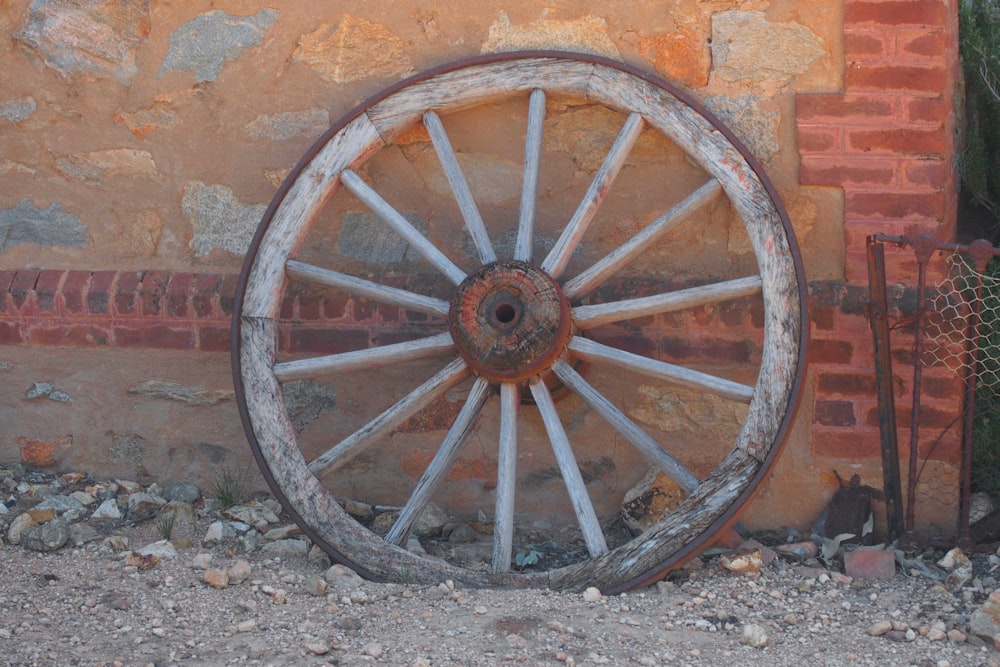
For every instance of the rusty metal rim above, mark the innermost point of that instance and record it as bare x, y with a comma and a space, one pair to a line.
732, 513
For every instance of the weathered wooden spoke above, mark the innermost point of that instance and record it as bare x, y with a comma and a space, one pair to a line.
442, 462
529, 186
559, 256
459, 187
374, 357
392, 296
503, 526
401, 225
628, 428
570, 408
593, 536
619, 258
588, 317
408, 406
588, 350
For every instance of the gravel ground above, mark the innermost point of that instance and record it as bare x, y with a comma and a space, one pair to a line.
103, 603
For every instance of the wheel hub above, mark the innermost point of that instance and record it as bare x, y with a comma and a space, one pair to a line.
509, 320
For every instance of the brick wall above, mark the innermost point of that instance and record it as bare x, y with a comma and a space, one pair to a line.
887, 139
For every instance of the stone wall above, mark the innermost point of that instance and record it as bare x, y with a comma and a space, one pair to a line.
141, 143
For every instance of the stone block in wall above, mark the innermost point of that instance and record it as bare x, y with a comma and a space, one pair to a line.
219, 220
353, 49
587, 34
94, 39
746, 46
205, 44
48, 227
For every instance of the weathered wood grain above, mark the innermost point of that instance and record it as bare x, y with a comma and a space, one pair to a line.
592, 351
586, 281
628, 428
459, 187
557, 259
524, 246
392, 296
442, 462
382, 425
593, 536
588, 317
366, 359
503, 522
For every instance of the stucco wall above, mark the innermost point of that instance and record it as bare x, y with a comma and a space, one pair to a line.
141, 143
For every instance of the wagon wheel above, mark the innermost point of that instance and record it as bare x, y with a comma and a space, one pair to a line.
526, 319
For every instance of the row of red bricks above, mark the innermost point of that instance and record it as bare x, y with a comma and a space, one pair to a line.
886, 139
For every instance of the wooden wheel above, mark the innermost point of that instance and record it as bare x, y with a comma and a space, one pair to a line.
531, 335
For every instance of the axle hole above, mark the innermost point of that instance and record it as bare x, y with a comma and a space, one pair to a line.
505, 313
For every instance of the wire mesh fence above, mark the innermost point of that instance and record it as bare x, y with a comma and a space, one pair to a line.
954, 330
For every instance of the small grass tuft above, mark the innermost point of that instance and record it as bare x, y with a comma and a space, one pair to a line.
229, 486
165, 524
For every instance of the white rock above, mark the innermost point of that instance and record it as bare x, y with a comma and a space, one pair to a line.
202, 561
160, 549
342, 577
239, 572
592, 595
107, 510
755, 636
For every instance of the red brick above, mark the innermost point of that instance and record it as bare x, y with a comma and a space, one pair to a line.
862, 46
931, 172
99, 292
815, 170
834, 413
903, 141
156, 336
897, 13
69, 335
206, 289
73, 290
811, 140
335, 307
177, 294
840, 108
851, 444
824, 351
126, 292
896, 77
310, 302
46, 288
930, 417
870, 564
10, 333
6, 278
846, 384
928, 110
896, 205
214, 339
821, 317
947, 386
22, 285
152, 292
362, 310
931, 44
288, 303
855, 266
